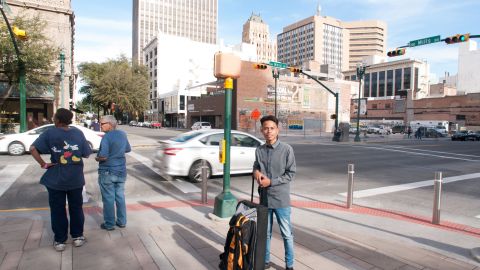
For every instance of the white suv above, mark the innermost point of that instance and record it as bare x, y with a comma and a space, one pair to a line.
201, 125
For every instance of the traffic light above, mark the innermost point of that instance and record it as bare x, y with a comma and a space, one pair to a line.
295, 70
457, 38
259, 66
20, 33
396, 52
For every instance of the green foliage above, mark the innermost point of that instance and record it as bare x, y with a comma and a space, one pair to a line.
37, 52
115, 81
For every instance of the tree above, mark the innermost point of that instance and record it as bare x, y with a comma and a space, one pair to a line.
115, 81
37, 52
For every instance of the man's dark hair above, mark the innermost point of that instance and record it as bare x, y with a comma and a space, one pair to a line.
64, 116
269, 118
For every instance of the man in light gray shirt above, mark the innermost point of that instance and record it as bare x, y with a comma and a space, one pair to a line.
274, 169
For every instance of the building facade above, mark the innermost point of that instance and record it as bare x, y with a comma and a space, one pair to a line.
177, 77
468, 68
60, 31
302, 104
194, 19
257, 33
367, 38
387, 80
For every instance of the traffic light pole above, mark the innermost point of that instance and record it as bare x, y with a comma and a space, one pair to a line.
335, 137
275, 76
62, 71
21, 75
360, 73
225, 202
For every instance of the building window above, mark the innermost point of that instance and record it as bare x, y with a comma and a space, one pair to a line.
366, 85
381, 84
407, 76
389, 83
374, 84
182, 102
398, 80
416, 80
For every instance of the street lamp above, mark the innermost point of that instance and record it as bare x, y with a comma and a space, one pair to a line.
360, 72
21, 71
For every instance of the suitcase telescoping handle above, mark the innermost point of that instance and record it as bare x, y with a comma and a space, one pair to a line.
253, 183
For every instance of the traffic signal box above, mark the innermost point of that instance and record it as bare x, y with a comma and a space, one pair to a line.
396, 52
457, 38
295, 70
259, 66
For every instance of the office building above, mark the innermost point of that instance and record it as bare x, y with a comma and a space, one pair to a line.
257, 33
194, 19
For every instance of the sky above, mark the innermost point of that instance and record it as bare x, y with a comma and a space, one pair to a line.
103, 28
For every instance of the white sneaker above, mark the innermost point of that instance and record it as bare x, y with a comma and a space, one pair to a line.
59, 246
79, 241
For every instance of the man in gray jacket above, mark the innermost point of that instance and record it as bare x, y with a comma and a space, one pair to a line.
274, 169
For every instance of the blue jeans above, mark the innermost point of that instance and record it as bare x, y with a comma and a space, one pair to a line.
283, 220
112, 188
58, 215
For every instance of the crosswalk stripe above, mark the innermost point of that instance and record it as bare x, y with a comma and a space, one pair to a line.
9, 175
408, 186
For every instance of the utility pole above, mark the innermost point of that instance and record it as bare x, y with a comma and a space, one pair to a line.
360, 72
62, 73
275, 76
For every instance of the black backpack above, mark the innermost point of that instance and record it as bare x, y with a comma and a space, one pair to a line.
239, 249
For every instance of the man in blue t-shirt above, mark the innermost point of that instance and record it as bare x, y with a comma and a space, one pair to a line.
63, 177
112, 173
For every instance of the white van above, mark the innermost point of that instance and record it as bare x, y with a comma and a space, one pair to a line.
201, 125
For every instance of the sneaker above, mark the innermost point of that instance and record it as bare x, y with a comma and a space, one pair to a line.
79, 241
121, 225
289, 268
59, 246
268, 265
103, 226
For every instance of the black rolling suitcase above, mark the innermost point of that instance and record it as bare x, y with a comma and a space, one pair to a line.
255, 259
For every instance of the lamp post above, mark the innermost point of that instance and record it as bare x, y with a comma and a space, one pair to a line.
360, 72
62, 74
275, 76
21, 74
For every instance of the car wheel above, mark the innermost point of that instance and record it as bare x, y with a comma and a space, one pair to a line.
16, 149
195, 173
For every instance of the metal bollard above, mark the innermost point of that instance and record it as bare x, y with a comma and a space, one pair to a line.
204, 182
350, 186
437, 198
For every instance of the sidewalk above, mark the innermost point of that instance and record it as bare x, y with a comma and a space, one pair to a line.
179, 235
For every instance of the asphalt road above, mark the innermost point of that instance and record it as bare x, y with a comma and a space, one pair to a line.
382, 170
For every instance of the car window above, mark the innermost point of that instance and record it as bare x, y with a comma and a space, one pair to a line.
43, 129
206, 124
185, 136
244, 140
213, 139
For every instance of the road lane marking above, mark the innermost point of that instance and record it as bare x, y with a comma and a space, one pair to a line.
415, 153
433, 151
181, 185
396, 188
9, 175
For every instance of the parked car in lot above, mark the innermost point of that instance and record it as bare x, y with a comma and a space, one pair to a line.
183, 155
379, 129
18, 144
201, 125
399, 129
466, 135
433, 133
132, 123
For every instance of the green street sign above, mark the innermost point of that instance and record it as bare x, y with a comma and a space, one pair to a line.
277, 64
424, 41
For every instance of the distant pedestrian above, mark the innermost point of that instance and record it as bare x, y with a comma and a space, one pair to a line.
64, 176
409, 132
112, 173
274, 169
95, 125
